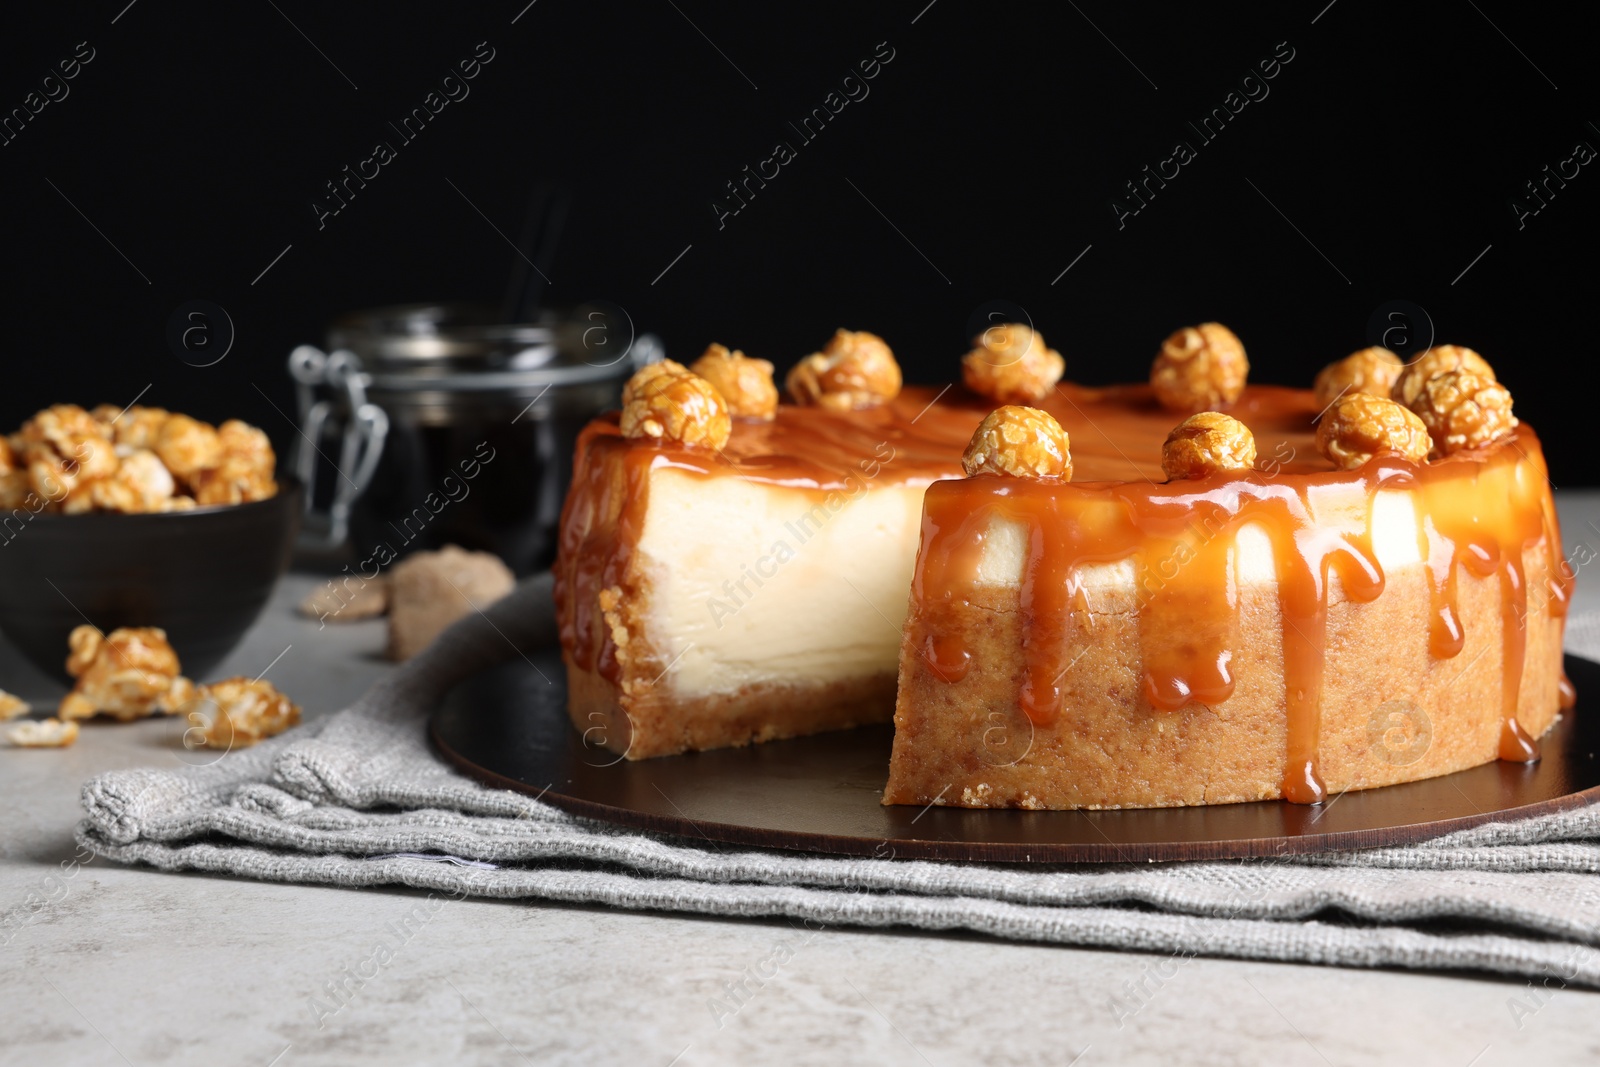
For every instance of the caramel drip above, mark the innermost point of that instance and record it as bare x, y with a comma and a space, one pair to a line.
1189, 614
1569, 694
1446, 638
600, 522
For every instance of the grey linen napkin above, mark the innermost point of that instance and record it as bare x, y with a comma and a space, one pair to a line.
341, 801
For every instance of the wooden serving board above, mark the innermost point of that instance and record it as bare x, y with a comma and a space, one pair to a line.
508, 727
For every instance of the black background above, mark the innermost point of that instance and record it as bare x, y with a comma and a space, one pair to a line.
982, 163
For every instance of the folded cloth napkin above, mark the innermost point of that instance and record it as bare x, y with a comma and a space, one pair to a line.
360, 799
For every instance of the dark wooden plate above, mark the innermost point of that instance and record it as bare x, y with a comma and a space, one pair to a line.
508, 727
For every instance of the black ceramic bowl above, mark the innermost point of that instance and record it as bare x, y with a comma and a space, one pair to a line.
202, 575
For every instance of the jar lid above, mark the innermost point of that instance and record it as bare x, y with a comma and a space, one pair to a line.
457, 348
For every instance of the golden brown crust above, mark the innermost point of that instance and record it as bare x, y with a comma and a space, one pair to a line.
1391, 711
640, 721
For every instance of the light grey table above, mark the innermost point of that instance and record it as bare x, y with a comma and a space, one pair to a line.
130, 966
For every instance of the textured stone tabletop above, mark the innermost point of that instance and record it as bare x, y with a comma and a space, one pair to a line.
128, 966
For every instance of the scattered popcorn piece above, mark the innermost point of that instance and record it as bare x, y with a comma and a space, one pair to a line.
666, 402
12, 706
348, 600
430, 590
42, 733
854, 370
1021, 442
125, 675
238, 712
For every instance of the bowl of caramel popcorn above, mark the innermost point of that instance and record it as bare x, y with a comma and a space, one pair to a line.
139, 517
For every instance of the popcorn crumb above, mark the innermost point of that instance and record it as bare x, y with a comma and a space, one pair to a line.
42, 733
12, 707
238, 712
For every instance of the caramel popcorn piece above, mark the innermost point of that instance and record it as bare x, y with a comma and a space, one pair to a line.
142, 483
665, 402
1436, 361
1208, 443
854, 370
1199, 368
188, 446
745, 383
62, 446
1010, 364
1021, 442
245, 472
125, 675
138, 427
238, 712
1371, 370
14, 484
1361, 426
43, 733
430, 590
1463, 409
12, 707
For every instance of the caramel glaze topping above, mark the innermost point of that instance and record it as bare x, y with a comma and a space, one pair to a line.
1178, 534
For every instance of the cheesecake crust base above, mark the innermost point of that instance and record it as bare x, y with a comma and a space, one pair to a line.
645, 722
1391, 711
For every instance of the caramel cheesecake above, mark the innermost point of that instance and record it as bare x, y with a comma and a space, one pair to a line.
1280, 610
1173, 622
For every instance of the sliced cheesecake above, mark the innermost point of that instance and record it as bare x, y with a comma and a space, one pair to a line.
1134, 634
